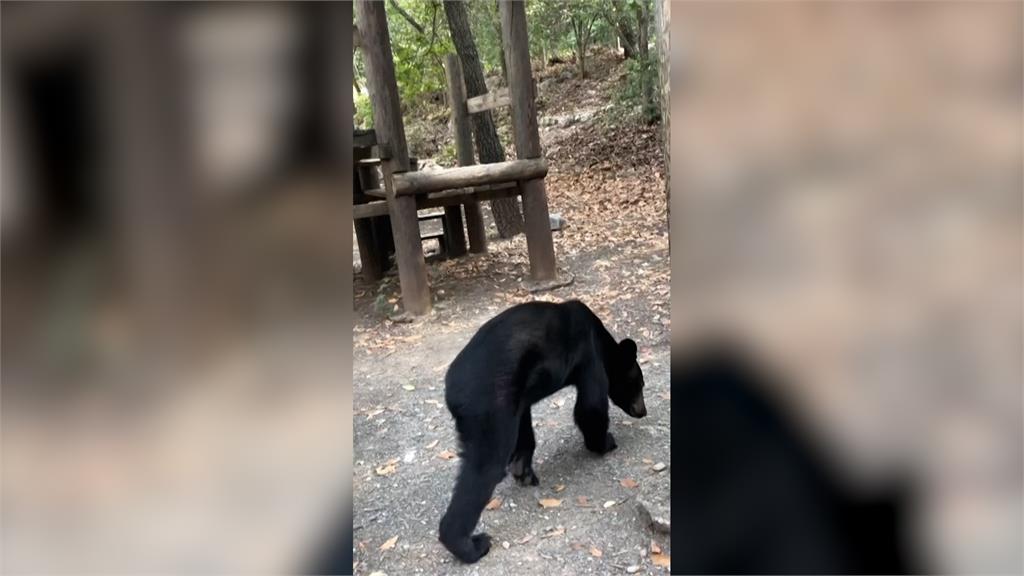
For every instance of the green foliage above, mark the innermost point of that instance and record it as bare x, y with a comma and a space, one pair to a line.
485, 20
448, 156
363, 111
418, 49
548, 27
632, 95
551, 25
419, 43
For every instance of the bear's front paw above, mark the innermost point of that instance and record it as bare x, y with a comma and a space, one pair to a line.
481, 546
602, 446
609, 443
527, 478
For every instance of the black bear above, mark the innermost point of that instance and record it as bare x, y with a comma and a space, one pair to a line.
333, 553
516, 359
753, 494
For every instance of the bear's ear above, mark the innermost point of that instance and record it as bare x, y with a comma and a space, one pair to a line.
628, 348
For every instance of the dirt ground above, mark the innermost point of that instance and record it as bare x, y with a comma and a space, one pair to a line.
606, 182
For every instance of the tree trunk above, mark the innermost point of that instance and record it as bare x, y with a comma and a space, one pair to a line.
581, 61
508, 216
497, 30
581, 47
641, 21
661, 16
617, 19
647, 78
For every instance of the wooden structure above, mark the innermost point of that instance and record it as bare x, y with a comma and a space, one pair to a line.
403, 191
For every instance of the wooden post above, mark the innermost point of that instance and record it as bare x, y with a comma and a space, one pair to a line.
455, 234
464, 149
387, 119
372, 252
379, 227
368, 254
527, 138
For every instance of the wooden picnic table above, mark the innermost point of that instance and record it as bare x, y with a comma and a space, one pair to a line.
374, 235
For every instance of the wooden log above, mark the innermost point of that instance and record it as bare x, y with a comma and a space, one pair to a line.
456, 234
364, 230
390, 131
446, 198
370, 210
460, 118
527, 138
369, 179
410, 183
368, 248
364, 139
464, 150
475, 228
412, 270
475, 190
385, 237
428, 202
488, 101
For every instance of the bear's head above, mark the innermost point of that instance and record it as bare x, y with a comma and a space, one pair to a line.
626, 381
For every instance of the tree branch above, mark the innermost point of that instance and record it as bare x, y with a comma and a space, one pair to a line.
408, 18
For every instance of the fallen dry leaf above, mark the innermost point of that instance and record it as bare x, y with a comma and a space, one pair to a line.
559, 487
550, 502
446, 455
494, 504
432, 444
554, 532
525, 539
655, 549
388, 468
609, 504
647, 461
389, 544
583, 502
408, 387
596, 552
662, 560
629, 483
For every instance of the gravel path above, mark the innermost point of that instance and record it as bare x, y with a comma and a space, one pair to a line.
407, 498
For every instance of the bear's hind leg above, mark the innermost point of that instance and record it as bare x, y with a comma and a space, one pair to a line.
522, 456
484, 459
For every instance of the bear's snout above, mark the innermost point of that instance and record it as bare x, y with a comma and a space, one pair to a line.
638, 409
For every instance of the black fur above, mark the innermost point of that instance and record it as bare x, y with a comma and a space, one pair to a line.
752, 494
516, 359
333, 555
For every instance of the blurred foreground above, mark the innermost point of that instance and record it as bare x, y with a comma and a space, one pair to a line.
847, 199
176, 358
